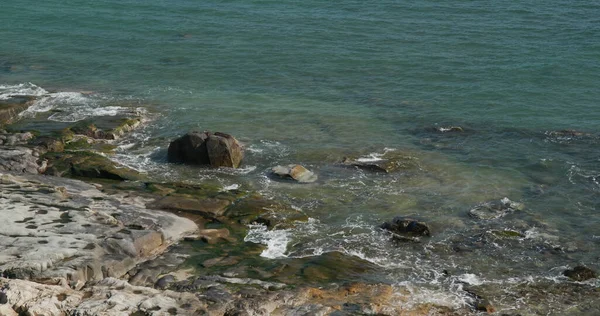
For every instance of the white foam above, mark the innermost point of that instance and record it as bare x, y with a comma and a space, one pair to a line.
276, 240
470, 279
234, 186
27, 89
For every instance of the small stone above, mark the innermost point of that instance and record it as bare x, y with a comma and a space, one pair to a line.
3, 298
163, 282
295, 172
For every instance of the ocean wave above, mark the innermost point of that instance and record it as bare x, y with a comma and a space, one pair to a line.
22, 89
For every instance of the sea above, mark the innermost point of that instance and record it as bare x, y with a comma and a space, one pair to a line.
311, 82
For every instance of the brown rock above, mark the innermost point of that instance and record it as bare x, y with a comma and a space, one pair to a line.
206, 148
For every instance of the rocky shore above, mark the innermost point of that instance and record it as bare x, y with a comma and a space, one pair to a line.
83, 235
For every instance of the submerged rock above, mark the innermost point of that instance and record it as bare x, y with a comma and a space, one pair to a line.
295, 172
580, 273
258, 210
390, 161
495, 209
449, 129
406, 227
206, 148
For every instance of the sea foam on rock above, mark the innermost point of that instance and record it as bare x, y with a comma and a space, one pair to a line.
294, 172
495, 209
206, 148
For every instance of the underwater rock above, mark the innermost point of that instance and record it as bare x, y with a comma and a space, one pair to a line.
259, 210
407, 227
295, 172
567, 133
580, 273
479, 302
390, 161
449, 129
495, 209
207, 207
206, 148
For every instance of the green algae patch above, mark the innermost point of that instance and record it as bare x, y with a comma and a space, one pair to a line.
88, 165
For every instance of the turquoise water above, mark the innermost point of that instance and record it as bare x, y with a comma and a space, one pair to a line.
313, 81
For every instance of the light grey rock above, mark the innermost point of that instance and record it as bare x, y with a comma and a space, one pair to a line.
69, 232
18, 159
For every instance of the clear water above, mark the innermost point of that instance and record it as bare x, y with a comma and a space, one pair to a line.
310, 82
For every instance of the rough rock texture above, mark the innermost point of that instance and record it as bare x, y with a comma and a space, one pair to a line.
246, 297
13, 139
495, 209
19, 159
206, 148
294, 172
88, 165
69, 232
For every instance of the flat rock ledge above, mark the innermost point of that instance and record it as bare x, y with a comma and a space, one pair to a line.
67, 232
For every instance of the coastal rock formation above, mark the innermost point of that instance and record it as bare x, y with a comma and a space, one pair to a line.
406, 227
19, 159
580, 273
67, 232
294, 172
206, 148
495, 209
10, 108
88, 165
106, 127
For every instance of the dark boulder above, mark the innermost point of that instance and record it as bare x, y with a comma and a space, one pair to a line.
580, 273
206, 148
406, 227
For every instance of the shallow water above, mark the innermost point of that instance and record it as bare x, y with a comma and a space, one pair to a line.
312, 82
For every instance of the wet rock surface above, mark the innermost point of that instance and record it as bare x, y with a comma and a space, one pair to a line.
294, 172
494, 209
406, 227
206, 148
580, 273
388, 162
